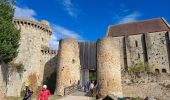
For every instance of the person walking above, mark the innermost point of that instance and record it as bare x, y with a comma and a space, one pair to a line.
91, 87
44, 94
85, 86
28, 91
78, 85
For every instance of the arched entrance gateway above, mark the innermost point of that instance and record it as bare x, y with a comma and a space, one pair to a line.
92, 61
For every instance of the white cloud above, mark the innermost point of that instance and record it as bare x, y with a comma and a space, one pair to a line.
60, 32
129, 18
24, 12
54, 42
70, 8
125, 15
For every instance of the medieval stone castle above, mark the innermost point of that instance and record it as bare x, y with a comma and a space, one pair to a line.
126, 48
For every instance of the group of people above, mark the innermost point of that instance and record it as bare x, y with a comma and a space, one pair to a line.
88, 87
43, 94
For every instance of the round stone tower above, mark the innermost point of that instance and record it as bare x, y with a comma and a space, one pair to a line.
109, 67
33, 36
68, 72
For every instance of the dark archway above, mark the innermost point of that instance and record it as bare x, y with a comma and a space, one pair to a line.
51, 82
49, 77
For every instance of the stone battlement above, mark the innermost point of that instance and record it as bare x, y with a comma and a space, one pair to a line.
47, 50
43, 25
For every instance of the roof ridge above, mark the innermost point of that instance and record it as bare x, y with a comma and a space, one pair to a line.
164, 20
139, 21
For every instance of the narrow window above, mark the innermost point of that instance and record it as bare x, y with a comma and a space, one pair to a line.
136, 43
138, 55
73, 61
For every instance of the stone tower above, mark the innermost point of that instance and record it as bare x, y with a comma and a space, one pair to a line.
68, 69
34, 37
109, 67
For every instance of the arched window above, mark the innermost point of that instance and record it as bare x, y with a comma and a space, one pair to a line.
157, 70
163, 70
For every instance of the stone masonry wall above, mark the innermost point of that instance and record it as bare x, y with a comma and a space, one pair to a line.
49, 64
3, 79
147, 85
109, 67
157, 51
123, 59
134, 50
29, 54
68, 68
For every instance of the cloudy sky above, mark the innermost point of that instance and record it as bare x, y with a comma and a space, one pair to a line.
88, 20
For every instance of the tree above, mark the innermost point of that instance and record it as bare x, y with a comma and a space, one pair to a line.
9, 34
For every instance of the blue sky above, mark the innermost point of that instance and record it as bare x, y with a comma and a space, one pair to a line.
88, 20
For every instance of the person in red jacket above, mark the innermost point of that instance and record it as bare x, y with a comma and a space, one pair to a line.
44, 93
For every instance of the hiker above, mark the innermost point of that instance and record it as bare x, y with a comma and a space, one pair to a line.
86, 86
91, 87
44, 93
78, 85
28, 91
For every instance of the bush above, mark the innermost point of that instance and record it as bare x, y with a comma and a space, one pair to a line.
22, 93
139, 68
18, 66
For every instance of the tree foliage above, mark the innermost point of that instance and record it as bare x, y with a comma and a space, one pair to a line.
9, 34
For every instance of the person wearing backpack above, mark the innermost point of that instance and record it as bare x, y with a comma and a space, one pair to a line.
28, 91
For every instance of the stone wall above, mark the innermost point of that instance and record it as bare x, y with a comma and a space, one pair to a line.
134, 50
68, 68
14, 84
3, 79
157, 50
151, 85
109, 67
49, 64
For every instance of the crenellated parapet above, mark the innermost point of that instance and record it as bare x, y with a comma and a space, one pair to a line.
47, 50
42, 25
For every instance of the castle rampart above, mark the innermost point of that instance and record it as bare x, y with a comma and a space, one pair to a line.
35, 24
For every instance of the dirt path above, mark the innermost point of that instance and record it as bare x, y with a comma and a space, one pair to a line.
76, 98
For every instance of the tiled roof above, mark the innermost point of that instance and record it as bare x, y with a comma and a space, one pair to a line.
133, 28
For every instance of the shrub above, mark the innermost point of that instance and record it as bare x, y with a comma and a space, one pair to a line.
18, 66
139, 68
